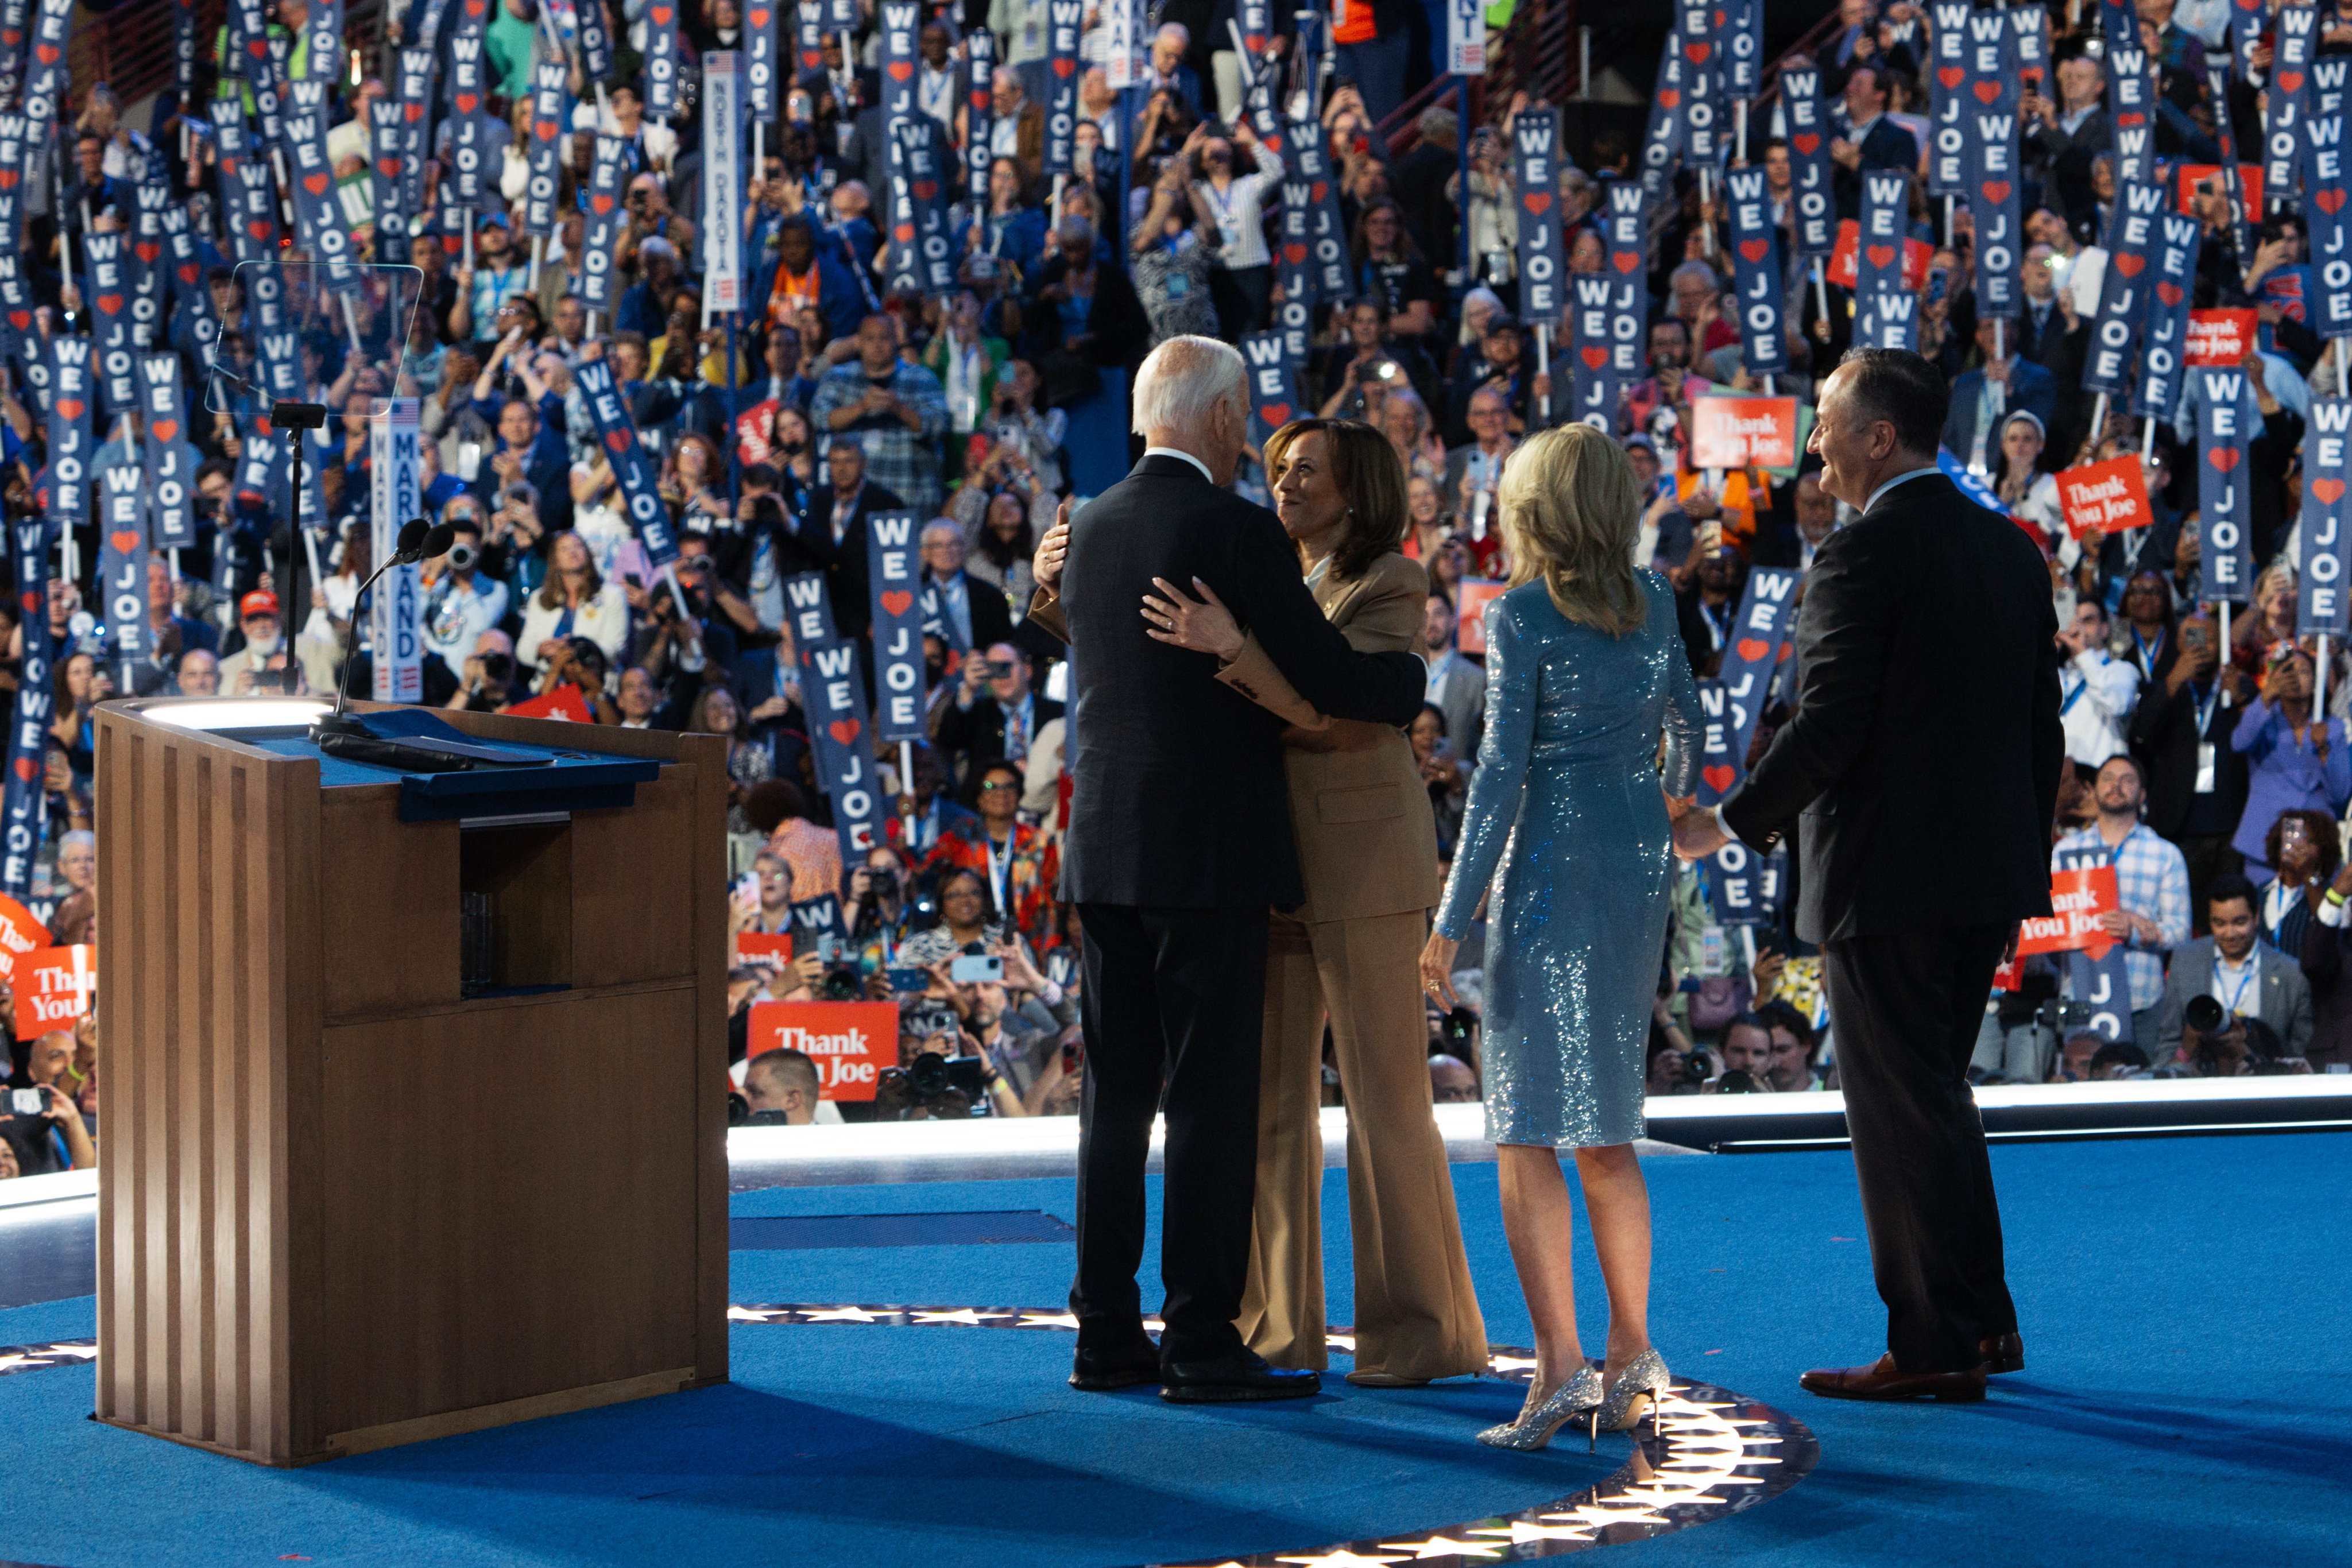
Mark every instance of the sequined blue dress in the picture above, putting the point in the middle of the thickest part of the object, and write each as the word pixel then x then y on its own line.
pixel 1565 819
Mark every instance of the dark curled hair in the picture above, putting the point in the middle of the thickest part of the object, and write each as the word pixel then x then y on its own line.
pixel 1903 389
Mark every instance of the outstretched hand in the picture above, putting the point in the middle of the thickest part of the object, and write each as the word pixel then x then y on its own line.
pixel 1698 835
pixel 1204 626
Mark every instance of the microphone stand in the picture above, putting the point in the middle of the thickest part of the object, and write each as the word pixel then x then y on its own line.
pixel 296 417
pixel 338 722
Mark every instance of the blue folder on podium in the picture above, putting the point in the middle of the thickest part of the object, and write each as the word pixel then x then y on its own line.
pixel 550 779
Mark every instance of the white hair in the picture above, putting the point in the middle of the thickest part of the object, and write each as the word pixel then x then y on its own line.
pixel 942 528
pixel 1183 381
pixel 1183 34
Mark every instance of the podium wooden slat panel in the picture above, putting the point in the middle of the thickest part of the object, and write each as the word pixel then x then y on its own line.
pixel 551 1169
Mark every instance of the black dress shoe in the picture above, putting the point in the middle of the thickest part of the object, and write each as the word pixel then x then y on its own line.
pixel 1242 1374
pixel 2003 1353
pixel 1122 1366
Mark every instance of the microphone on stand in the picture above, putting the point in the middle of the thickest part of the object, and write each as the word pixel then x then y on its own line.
pixel 416 542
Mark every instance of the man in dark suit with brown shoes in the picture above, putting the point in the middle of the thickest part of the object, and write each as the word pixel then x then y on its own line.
pixel 1894 732
pixel 1179 841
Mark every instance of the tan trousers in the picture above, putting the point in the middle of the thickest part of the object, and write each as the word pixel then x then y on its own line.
pixel 1416 1313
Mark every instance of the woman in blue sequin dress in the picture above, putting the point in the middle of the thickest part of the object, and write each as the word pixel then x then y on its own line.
pixel 1568 822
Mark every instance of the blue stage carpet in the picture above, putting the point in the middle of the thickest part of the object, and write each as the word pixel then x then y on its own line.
pixel 2186 1400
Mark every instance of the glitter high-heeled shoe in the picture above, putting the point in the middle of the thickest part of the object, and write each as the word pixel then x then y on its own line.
pixel 1646 1374
pixel 1580 1395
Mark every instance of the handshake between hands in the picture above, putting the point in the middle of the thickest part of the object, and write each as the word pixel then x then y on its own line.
pixel 1697 833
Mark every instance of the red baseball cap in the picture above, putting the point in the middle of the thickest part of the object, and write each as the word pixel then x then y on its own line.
pixel 260 601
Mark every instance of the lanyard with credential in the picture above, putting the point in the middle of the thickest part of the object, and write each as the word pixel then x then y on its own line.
pixel 999 871
pixel 2238 992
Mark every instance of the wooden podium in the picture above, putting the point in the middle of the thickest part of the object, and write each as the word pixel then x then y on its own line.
pixel 340 1206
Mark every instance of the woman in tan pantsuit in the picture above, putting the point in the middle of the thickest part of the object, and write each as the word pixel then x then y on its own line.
pixel 1368 852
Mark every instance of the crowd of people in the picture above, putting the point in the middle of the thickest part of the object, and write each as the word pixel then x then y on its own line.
pixel 2206 767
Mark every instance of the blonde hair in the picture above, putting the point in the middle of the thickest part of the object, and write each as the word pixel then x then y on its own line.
pixel 1570 511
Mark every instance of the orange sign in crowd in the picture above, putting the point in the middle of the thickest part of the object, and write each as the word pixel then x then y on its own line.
pixel 2109 496
pixel 1743 433
pixel 53 987
pixel 851 1042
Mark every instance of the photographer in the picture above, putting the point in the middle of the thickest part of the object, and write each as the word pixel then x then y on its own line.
pixel 2235 968
pixel 486 683
pixel 50 1137
pixel 460 602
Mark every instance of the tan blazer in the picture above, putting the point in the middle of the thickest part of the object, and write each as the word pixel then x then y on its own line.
pixel 1367 838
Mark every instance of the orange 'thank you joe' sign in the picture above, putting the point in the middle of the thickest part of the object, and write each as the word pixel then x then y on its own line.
pixel 851 1042
pixel 20 932
pixel 1472 595
pixel 1743 433
pixel 2077 899
pixel 2219 337
pixel 2109 496
pixel 54 987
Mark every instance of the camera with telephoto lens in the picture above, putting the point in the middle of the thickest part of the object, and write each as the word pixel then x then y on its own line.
pixel 939 1084
pixel 2063 1017
pixel 463 556
pixel 1695 1068
pixel 497 667
pixel 2204 1015
pixel 841 983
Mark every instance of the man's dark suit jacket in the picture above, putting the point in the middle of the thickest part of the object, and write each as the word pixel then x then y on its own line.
pixel 1925 751
pixel 1178 798
pixel 2163 738
pixel 846 579
pixel 1885 145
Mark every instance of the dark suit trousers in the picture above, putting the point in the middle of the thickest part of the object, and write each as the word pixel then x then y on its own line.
pixel 1171 1006
pixel 1907 1008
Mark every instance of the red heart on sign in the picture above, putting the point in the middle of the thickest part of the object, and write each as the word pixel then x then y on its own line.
pixel 164 429
pixel 27 768
pixel 759 18
pixel 1752 648
pixel 1986 91
pixel 1317 192
pixel 2290 81
pixel 188 274
pixel 1881 254
pixel 901 69
pixel 904 233
pixel 1625 260
pixel 110 304
pixel 618 440
pixel 544 131
pixel 1063 66
pixel 844 730
pixel 2329 491
pixel 1296 255
pixel 1755 249
pixel 1595 358
pixel 926 189
pixel 1718 778
pixel 897 602
pixel 1806 142
pixel 2129 265
pixel 467 102
pixel 2169 291
pixel 147 251
pixel 8 179
pixel 415 113
pixel 46 53
pixel 32 601
pixel 1276 414
pixel 316 183
pixel 259 229
pixel 2330 201
pixel 662 14
pixel 388 167
pixel 1670 96
pixel 2223 458
pixel 21 319
pixel 1537 201
pixel 1696 53
pixel 602 203
pixel 123 540
pixel 1995 191
pixel 1951 77
pixel 71 407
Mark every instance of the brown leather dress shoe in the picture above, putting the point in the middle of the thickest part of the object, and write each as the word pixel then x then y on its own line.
pixel 1882 1381
pixel 2003 1353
